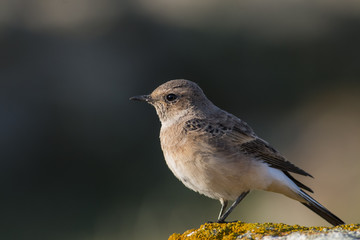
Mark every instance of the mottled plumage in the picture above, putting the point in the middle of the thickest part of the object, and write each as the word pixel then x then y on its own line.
pixel 217 154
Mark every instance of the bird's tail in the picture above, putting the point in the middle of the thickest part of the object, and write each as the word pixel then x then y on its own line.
pixel 316 207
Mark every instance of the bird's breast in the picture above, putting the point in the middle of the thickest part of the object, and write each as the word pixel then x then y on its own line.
pixel 209 170
pixel 183 158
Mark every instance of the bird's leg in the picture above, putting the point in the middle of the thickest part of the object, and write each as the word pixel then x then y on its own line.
pixel 224 203
pixel 231 208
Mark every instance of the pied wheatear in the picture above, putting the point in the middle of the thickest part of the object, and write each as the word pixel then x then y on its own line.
pixel 217 154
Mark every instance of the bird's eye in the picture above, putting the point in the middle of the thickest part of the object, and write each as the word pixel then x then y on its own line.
pixel 171 97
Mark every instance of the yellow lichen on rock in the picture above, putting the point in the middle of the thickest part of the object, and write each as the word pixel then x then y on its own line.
pixel 241 230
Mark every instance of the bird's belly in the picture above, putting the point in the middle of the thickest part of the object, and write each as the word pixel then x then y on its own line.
pixel 217 178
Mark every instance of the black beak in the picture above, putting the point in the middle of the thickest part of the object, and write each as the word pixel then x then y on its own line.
pixel 141 98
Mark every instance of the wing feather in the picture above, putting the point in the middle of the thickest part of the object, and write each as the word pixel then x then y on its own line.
pixel 231 133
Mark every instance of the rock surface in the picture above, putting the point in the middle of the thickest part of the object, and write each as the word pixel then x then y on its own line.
pixel 268 231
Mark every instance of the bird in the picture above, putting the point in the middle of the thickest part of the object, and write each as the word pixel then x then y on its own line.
pixel 217 154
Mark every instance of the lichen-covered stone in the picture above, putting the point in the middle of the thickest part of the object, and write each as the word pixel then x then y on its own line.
pixel 268 231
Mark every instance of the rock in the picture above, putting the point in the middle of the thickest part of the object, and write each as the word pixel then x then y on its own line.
pixel 268 231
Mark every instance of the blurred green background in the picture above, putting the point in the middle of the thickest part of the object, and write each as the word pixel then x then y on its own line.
pixel 80 161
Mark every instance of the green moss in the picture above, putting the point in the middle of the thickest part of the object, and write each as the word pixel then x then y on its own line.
pixel 239 230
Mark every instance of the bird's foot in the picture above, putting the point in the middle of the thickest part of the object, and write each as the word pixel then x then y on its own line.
pixel 221 221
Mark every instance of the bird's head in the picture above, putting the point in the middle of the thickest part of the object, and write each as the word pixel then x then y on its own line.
pixel 176 98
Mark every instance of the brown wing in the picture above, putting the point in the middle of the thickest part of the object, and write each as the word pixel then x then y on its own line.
pixel 263 151
pixel 231 133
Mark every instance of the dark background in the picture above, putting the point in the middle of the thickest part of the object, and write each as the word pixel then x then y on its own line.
pixel 80 161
